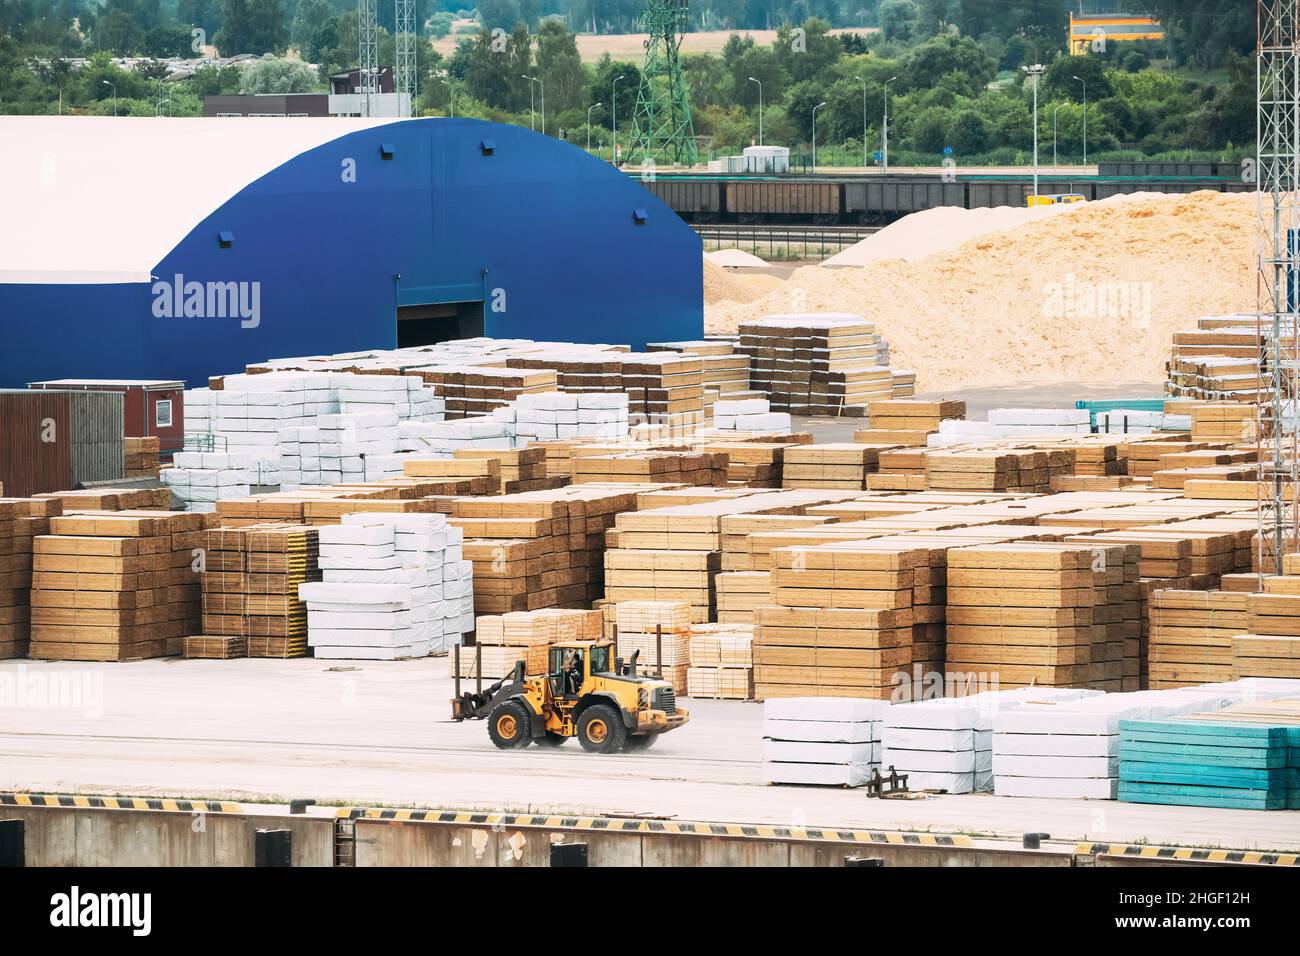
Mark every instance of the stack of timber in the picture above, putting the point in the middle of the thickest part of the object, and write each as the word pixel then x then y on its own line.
pixel 250 585
pixel 906 421
pixel 899 469
pixel 681 576
pixel 740 594
pixel 817 364
pixel 661 632
pixel 109 586
pixel 840 624
pixel 662 385
pixel 722 661
pixel 1234 422
pixel 1191 632
pixel 843 465
pixel 737 540
pixel 578 369
pixel 946 743
pixel 1145 457
pixel 111 499
pixel 1039 613
pixel 821 741
pixel 21 520
pixel 520 469
pixel 752 464
pixel 1246 756
pixel 591 464
pixel 1070 749
pixel 538 549
pixel 472 390
pixel 504 639
pixel 141 457
pixel 997 470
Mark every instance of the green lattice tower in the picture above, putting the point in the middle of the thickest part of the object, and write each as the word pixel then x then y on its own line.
pixel 662 125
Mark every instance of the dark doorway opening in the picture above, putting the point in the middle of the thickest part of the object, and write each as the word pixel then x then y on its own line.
pixel 427 324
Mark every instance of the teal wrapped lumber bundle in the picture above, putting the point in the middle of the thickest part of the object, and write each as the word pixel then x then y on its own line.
pixel 1246 757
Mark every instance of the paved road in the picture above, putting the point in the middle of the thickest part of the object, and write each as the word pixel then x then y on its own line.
pixel 377 733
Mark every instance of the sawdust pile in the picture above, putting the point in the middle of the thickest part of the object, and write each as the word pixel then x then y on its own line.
pixel 724 288
pixel 1091 296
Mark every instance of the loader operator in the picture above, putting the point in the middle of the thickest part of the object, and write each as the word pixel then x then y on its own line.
pixel 573 672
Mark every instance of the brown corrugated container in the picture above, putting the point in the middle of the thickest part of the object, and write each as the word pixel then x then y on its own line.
pixel 55 440
pixel 783 198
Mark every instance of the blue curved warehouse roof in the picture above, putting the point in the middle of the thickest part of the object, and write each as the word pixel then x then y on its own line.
pixel 328 226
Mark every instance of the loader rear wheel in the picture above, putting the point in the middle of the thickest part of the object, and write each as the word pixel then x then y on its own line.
pixel 508 726
pixel 641 741
pixel 601 730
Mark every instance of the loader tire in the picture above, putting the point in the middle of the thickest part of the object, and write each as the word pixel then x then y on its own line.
pixel 601 730
pixel 508 726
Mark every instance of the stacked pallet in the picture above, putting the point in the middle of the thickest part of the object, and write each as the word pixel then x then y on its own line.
pixel 109 586
pixel 1070 749
pixel 752 464
pixel 472 390
pixel 1233 422
pixel 140 457
pixel 539 549
pixel 661 632
pixel 722 661
pixel 993 470
pixel 1039 613
pixel 906 421
pixel 899 469
pixel 817 364
pixel 1145 457
pixel 588 465
pixel 843 465
pixel 111 499
pixel 821 741
pixel 519 469
pixel 524 636
pixel 250 591
pixel 1191 634
pixel 21 520
pixel 663 385
pixel 1245 756
pixel 737 545
pixel 677 576
pixel 840 624
pixel 740 594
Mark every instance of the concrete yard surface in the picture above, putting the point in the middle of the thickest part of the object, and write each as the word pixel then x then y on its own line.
pixel 379 734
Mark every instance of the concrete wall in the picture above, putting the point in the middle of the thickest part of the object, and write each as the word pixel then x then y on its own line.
pixel 64 836
pixel 406 843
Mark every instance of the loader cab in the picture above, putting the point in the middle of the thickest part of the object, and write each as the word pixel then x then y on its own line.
pixel 572 664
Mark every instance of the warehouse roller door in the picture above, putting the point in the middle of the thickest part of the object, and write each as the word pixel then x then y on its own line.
pixel 438 322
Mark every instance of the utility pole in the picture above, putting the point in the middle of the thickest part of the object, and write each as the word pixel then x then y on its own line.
pixel 532 113
pixel 884 129
pixel 814 134
pixel 589 109
pixel 1034 72
pixel 1085 117
pixel 863 81
pixel 614 156
pixel 760 109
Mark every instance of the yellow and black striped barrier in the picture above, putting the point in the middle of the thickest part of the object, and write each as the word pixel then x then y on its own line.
pixel 117 803
pixel 1183 854
pixel 671 827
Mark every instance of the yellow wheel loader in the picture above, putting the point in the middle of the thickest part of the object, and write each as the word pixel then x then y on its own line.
pixel 586 693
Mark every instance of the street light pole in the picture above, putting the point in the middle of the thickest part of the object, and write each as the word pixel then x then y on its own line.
pixel 589 109
pixel 863 81
pixel 542 86
pixel 1035 72
pixel 532 111
pixel 814 134
pixel 1085 117
pixel 884 129
pixel 760 109
pixel 114 86
pixel 1055 168
pixel 614 85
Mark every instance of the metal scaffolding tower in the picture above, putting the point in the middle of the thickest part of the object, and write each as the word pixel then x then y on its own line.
pixel 405 66
pixel 662 125
pixel 368 31
pixel 1277 166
